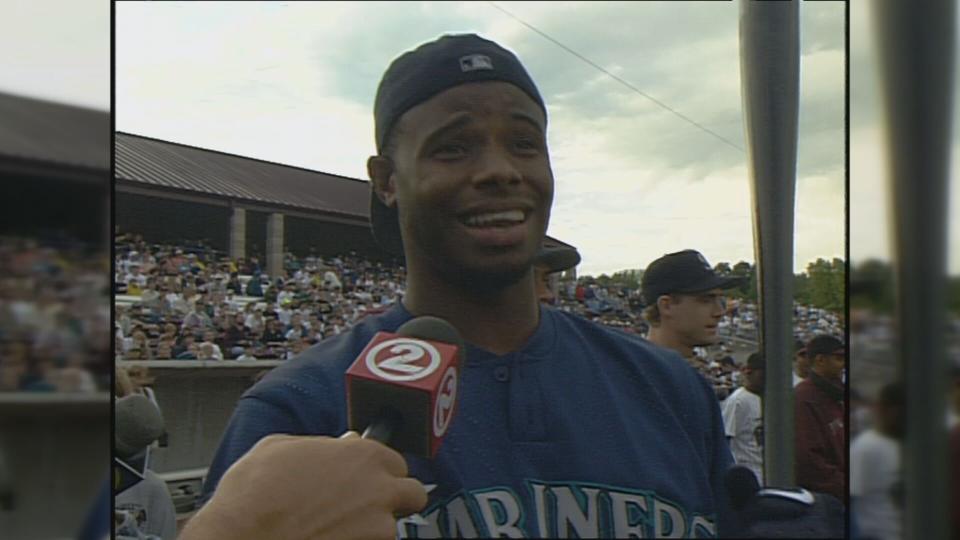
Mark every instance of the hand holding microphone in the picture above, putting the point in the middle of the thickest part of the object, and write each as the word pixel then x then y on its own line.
pixel 298 488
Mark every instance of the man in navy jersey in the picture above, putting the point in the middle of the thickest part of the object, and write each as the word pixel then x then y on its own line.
pixel 563 428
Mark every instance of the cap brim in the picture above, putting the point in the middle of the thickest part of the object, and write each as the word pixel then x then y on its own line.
pixel 558 259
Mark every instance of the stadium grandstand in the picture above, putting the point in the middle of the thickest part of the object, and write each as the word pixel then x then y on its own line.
pixel 55 364
pixel 226 266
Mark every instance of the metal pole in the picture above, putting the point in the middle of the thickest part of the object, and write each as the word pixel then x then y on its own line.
pixel 917 45
pixel 770 83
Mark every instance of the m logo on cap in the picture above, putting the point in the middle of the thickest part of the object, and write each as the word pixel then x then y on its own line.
pixel 474 62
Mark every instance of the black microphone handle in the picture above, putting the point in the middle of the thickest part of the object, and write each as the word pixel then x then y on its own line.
pixel 380 430
pixel 385 425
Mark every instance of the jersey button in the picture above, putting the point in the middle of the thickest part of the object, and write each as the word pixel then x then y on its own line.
pixel 501 373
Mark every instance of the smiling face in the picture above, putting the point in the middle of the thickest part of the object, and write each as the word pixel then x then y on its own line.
pixel 470 175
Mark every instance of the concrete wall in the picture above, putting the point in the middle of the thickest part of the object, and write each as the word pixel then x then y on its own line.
pixel 57 449
pixel 197 399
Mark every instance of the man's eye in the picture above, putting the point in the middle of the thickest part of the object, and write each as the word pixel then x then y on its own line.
pixel 448 151
pixel 527 145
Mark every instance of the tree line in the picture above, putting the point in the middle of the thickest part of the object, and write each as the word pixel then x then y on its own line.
pixel 872 286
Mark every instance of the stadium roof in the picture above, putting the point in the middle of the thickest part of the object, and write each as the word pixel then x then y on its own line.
pixel 172 166
pixel 54 133
pixel 163 164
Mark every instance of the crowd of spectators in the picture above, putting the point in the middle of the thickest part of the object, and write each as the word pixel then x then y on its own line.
pixel 191 302
pixel 621 307
pixel 194 303
pixel 54 315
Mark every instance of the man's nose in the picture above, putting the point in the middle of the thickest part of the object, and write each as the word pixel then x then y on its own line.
pixel 496 168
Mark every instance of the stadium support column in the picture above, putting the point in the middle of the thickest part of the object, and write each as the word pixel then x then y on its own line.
pixel 238 233
pixel 275 245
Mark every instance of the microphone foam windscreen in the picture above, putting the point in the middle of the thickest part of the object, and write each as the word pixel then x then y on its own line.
pixel 137 423
pixel 432 329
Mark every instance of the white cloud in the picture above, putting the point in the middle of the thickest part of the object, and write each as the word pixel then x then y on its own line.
pixel 57 50
pixel 294 83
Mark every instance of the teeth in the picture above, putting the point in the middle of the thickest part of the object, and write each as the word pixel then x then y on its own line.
pixel 509 216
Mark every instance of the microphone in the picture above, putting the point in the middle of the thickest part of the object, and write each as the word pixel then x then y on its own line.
pixel 137 423
pixel 402 388
pixel 782 512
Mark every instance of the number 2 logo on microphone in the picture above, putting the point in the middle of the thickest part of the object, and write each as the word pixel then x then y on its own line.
pixel 403 359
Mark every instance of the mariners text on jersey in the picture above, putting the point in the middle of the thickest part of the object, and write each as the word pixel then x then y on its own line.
pixel 585 431
pixel 561 510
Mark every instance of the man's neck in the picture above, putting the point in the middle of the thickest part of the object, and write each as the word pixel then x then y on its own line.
pixel 499 321
pixel 665 338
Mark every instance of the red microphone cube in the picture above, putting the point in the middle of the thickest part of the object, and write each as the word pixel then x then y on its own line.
pixel 410 378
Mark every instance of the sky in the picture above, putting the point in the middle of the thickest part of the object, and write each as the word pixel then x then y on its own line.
pixel 870 225
pixel 57 50
pixel 293 82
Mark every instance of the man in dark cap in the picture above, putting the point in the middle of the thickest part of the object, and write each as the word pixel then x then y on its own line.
pixel 743 417
pixel 685 301
pixel 559 421
pixel 550 261
pixel 821 446
pixel 801 364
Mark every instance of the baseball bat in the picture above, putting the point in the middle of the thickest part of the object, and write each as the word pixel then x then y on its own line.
pixel 917 43
pixel 770 89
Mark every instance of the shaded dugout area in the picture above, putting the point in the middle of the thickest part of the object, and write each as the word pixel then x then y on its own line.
pixel 47 207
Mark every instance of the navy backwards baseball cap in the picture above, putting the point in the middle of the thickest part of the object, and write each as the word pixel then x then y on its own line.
pixel 682 272
pixel 422 73
pixel 557 259
pixel 756 361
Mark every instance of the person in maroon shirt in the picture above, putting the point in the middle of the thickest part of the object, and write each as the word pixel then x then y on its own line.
pixel 954 455
pixel 819 407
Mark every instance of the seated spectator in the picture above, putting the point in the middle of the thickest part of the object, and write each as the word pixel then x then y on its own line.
pixel 196 320
pixel 273 332
pixel 38 375
pixel 209 338
pixel 135 280
pixel 235 331
pixel 206 352
pixel 254 287
pixel 169 332
pixel 164 350
pixel 253 321
pixel 187 341
pixel 190 354
pixel 246 354
pixel 233 284
pixel 140 342
pixel 150 296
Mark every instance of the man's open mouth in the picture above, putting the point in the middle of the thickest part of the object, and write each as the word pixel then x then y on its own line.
pixel 505 218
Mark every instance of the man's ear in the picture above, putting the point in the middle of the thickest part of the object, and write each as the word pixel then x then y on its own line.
pixel 664 303
pixel 380 169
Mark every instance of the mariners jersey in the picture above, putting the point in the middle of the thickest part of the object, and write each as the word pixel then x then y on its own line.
pixel 583 432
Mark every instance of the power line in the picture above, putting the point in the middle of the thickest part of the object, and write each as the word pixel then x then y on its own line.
pixel 621 81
